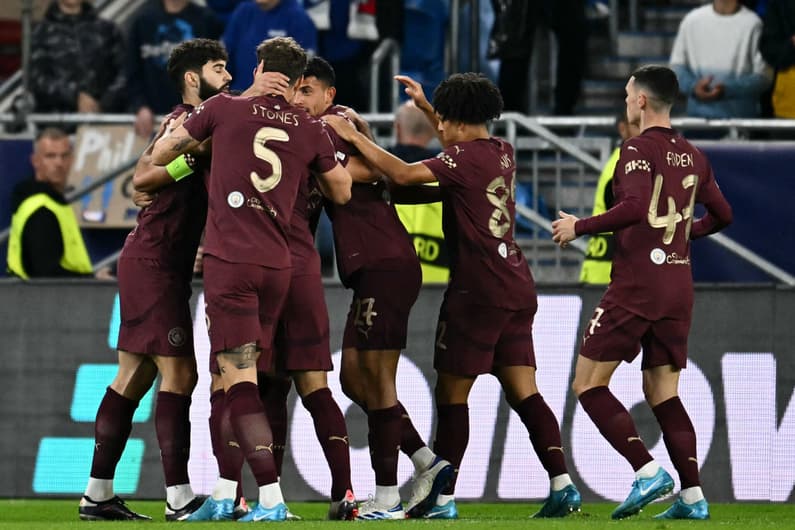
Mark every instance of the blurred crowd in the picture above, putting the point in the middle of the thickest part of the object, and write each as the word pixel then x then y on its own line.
pixel 734 58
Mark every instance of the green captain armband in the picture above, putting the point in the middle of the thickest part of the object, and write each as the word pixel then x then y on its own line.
pixel 179 168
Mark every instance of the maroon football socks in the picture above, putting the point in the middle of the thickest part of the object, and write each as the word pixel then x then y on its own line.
pixel 680 440
pixel 273 392
pixel 385 433
pixel 252 432
pixel 226 450
pixel 410 439
pixel 542 426
pixel 452 437
pixel 615 424
pixel 111 431
pixel 172 424
pixel 332 434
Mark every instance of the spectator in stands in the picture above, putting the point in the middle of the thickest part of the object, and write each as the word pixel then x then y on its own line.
pixel 777 46
pixel 512 39
pixel 155 30
pixel 717 60
pixel 45 239
pixel 257 20
pixel 422 59
pixel 423 222
pixel 77 60
pixel 598 262
pixel 348 33
pixel 223 8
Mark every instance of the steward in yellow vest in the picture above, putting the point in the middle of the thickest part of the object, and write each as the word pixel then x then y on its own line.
pixel 598 260
pixel 45 238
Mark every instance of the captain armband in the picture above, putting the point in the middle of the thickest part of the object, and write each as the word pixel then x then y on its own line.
pixel 180 167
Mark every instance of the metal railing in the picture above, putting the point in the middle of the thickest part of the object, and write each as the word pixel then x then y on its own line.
pixel 572 150
pixel 388 49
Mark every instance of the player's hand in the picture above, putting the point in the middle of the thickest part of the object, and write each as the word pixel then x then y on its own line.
pixel 360 123
pixel 174 123
pixel 414 91
pixel 342 126
pixel 703 89
pixel 718 91
pixel 143 199
pixel 268 83
pixel 563 229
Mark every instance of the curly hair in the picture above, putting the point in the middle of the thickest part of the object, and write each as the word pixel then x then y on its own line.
pixel 190 56
pixel 467 98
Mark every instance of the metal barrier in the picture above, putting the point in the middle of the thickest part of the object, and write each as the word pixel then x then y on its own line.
pixel 559 162
pixel 389 48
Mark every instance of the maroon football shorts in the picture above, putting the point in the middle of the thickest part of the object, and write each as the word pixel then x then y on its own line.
pixel 378 318
pixel 302 335
pixel 615 334
pixel 155 310
pixel 473 339
pixel 243 303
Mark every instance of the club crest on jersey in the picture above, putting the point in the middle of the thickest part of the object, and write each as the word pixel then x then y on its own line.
pixel 657 256
pixel 176 337
pixel 235 199
pixel 502 249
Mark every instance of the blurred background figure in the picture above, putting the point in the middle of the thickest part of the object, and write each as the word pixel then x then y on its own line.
pixel 45 240
pixel 155 30
pixel 717 61
pixel 598 260
pixel 423 222
pixel 777 46
pixel 257 20
pixel 77 60
pixel 512 39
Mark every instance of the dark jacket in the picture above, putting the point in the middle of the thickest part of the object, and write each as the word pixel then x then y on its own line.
pixel 42 243
pixel 153 35
pixel 76 53
pixel 775 44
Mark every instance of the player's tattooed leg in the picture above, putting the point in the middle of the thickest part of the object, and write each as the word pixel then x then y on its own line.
pixel 241 357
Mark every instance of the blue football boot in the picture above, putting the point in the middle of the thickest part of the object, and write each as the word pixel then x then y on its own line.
pixel 644 491
pixel 260 513
pixel 681 510
pixel 213 510
pixel 561 503
pixel 446 511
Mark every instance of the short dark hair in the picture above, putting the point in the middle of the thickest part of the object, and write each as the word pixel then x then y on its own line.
pixel 283 55
pixel 660 81
pixel 320 69
pixel 467 98
pixel 190 56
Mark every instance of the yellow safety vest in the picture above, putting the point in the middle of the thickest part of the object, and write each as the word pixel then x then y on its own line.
pixel 423 222
pixel 75 256
pixel 598 260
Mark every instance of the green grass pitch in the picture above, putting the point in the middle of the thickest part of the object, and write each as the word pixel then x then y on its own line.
pixel 56 514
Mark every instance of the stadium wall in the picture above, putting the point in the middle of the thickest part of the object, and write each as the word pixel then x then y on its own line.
pixel 738 388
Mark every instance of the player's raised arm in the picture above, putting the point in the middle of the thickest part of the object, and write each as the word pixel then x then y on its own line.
pixel 149 177
pixel 393 167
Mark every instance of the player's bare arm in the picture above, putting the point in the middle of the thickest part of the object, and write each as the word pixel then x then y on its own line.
pixel 563 229
pixel 336 184
pixel 394 168
pixel 170 146
pixel 361 171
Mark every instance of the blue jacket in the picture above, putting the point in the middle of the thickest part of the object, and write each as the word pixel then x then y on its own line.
pixel 249 25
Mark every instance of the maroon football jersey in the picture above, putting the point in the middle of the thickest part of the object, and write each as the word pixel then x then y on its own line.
pixel 170 228
pixel 367 230
pixel 478 217
pixel 659 178
pixel 263 148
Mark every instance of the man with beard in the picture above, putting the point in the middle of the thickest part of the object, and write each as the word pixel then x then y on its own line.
pixel 262 150
pixel 155 271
